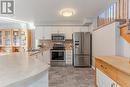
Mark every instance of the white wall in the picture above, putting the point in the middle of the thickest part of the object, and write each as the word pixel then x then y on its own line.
pixel 124 48
pixel 105 41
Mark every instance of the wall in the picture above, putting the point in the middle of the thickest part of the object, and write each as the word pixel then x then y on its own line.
pixel 106 41
pixel 124 42
pixel 94 24
pixel 124 48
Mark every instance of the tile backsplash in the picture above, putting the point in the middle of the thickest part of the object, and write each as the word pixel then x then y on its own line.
pixel 48 44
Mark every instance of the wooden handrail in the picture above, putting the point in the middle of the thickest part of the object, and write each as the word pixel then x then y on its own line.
pixel 117 10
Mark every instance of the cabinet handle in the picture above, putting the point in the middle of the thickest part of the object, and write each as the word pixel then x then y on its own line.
pixel 113 85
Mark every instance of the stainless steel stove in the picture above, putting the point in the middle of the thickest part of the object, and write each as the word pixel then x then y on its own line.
pixel 58 55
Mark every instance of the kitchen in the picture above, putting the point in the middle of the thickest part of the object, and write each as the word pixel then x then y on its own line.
pixel 66 43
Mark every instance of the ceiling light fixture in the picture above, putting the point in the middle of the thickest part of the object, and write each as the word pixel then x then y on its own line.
pixel 67 12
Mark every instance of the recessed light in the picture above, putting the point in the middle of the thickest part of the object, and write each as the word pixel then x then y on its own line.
pixel 67 12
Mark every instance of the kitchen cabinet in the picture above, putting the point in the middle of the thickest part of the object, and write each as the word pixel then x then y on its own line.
pixel 69 33
pixel 46 56
pixel 11 40
pixel 16 37
pixel 76 29
pixel 46 34
pixel 84 29
pixel 7 38
pixel 46 31
pixel 39 33
pixel 1 38
pixel 15 40
pixel 103 80
pixel 25 40
pixel 109 70
pixel 69 57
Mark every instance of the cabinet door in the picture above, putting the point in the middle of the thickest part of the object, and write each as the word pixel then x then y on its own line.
pixel 62 30
pixel 69 57
pixel 69 32
pixel 1 38
pixel 84 29
pixel 39 34
pixel 76 29
pixel 47 33
pixel 7 36
pixel 103 80
pixel 16 37
pixel 46 56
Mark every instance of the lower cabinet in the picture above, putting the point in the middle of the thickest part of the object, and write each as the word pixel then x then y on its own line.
pixel 47 56
pixel 103 80
pixel 69 57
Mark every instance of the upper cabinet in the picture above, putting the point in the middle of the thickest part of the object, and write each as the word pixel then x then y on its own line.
pixel 45 32
pixel 7 38
pixel 69 33
pixel 1 38
pixel 25 38
pixel 12 40
pixel 16 37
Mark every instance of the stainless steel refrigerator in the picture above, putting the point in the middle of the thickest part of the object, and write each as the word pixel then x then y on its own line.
pixel 81 49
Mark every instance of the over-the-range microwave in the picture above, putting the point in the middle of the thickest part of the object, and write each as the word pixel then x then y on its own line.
pixel 58 37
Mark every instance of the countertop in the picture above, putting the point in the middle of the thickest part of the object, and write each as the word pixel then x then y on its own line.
pixel 16 67
pixel 120 63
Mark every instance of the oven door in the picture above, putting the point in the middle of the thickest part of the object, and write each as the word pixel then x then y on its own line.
pixel 57 55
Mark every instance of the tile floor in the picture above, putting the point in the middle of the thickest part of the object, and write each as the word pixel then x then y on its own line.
pixel 71 77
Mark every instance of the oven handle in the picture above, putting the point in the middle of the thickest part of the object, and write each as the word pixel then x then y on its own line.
pixel 57 50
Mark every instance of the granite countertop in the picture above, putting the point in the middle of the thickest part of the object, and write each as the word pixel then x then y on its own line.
pixel 16 67
pixel 120 63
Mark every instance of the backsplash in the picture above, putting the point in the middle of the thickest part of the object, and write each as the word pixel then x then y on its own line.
pixel 48 44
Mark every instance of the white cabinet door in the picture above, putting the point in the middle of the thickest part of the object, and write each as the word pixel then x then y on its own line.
pixel 103 80
pixel 75 29
pixel 43 32
pixel 46 57
pixel 69 32
pixel 62 30
pixel 84 29
pixel 69 57
pixel 38 33
pixel 53 30
pixel 46 33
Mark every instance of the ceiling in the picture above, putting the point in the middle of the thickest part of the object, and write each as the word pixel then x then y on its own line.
pixel 46 12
